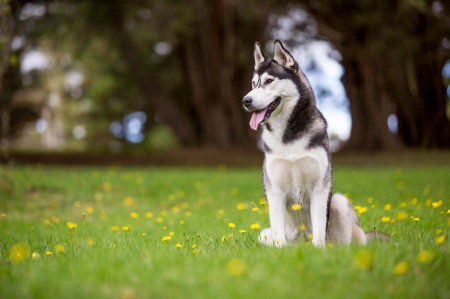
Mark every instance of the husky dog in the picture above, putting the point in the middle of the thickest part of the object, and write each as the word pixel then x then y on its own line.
pixel 297 167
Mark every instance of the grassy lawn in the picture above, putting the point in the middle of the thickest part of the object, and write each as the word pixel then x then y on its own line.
pixel 68 232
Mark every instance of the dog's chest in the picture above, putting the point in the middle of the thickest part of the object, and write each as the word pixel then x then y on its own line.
pixel 292 168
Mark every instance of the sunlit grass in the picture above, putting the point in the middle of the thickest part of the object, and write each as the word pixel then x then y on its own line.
pixel 176 232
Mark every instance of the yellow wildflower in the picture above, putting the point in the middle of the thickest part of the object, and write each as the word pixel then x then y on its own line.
pixel 195 251
pixel 416 219
pixel 296 207
pixel 230 236
pixel 114 228
pixel 18 253
pixel 255 209
pixel 194 246
pixel 236 267
pixel 148 215
pixel 126 228
pixel 59 248
pixel 178 245
pixel 188 214
pixel 166 238
pixel 385 219
pixel 175 209
pixel 48 252
pixel 71 225
pixel 90 210
pixel 401 216
pixel 242 231
pixel 181 221
pixel 221 212
pixel 222 239
pixel 128 201
pixel 302 227
pixel 90 242
pixel 387 207
pixel 400 268
pixel 134 215
pixel 163 213
pixel 439 231
pixel 143 234
pixel 424 256
pixel 440 239
pixel 232 225
pixel 159 219
pixel 255 226
pixel 262 201
pixel 107 186
pixel 171 234
pixel 241 206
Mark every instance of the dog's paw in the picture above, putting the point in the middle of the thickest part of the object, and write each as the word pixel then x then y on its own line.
pixel 266 238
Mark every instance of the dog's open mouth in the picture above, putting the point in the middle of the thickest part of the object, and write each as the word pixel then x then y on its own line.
pixel 264 114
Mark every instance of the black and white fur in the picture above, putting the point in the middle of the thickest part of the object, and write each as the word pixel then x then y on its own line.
pixel 297 166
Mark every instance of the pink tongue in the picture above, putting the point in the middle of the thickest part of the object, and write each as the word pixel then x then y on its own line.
pixel 257 117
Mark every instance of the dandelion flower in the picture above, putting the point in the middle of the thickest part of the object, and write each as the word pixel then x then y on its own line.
pixel 181 221
pixel 424 256
pixel 416 219
pixel 401 216
pixel 178 245
pixel 393 234
pixel 115 228
pixel 232 225
pixel 255 209
pixel 143 234
pixel 107 186
pixel 134 215
pixel 330 245
pixel 230 236
pixel 241 206
pixel 4 215
pixel 83 214
pixel 236 267
pixel 385 219
pixel 175 209
pixel 90 242
pixel 188 214
pixel 163 213
pixel 166 238
pixel 77 204
pixel 194 246
pixel 440 239
pixel 296 207
pixel 400 268
pixel 35 256
pixel 47 222
pixel 387 207
pixel 439 231
pixel 164 227
pixel 184 205
pixel 310 236
pixel 159 219
pixel 255 226
pixel 195 251
pixel 302 227
pixel 18 253
pixel 448 212
pixel 59 248
pixel 126 228
pixel 171 234
pixel 222 239
pixel 128 201
pixel 242 231
pixel 90 210
pixel 221 212
pixel 148 215
pixel 71 225
pixel 48 252
pixel 262 201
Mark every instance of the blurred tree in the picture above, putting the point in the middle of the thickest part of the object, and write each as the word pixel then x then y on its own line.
pixel 393 57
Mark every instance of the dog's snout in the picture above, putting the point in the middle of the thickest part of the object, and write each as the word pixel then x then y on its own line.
pixel 247 101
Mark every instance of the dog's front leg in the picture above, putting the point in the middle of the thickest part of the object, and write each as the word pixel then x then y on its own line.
pixel 319 202
pixel 277 215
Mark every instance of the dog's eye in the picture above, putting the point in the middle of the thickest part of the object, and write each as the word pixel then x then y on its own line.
pixel 268 81
pixel 253 84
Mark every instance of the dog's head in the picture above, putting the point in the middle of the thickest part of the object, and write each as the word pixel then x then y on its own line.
pixel 275 82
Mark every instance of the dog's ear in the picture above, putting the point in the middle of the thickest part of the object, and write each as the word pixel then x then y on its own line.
pixel 259 54
pixel 283 57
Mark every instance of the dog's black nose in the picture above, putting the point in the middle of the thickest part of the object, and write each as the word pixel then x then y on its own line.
pixel 247 101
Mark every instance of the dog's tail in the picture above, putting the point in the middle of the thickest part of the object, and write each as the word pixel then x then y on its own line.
pixel 344 226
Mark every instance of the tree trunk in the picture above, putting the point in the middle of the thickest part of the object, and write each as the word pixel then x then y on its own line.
pixel 210 70
pixel 368 105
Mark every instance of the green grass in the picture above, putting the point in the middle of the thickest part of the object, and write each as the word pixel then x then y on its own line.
pixel 97 262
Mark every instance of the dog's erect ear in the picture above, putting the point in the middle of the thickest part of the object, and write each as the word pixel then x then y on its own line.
pixel 259 54
pixel 283 57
